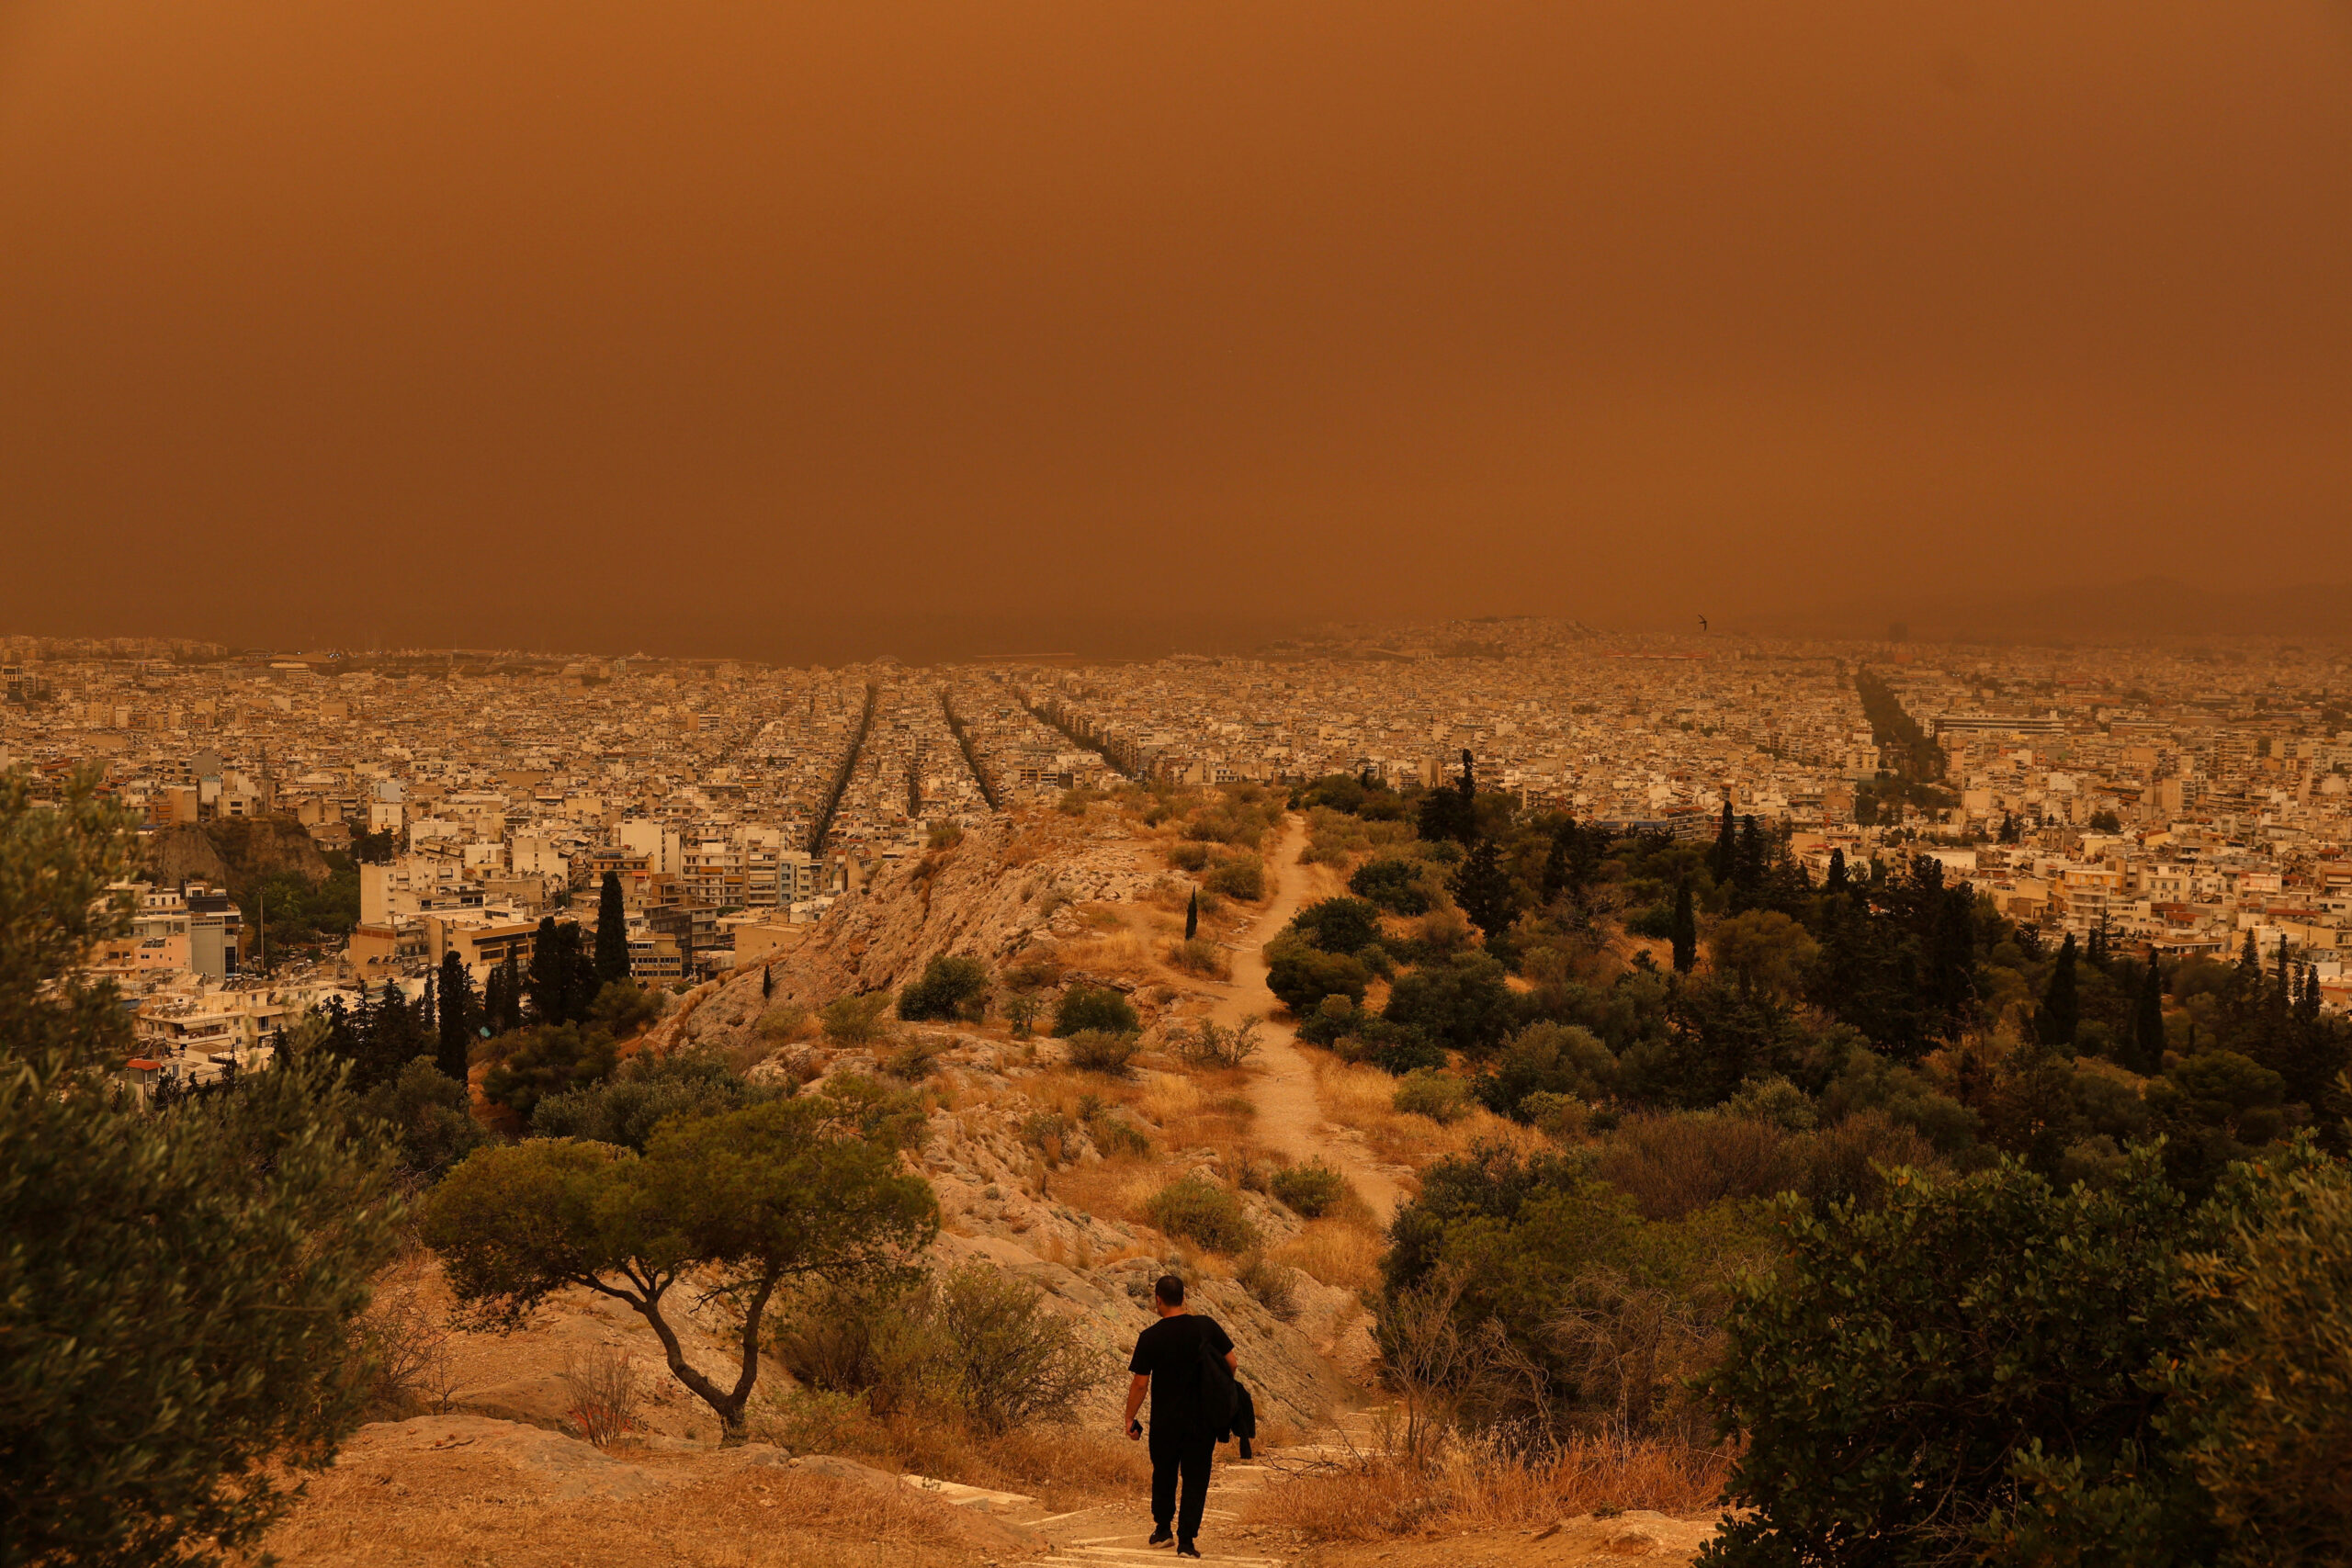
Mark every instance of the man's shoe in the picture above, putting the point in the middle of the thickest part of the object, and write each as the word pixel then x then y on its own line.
pixel 1162 1537
pixel 1186 1549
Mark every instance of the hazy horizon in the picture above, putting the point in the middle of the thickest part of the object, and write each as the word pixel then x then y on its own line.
pixel 785 331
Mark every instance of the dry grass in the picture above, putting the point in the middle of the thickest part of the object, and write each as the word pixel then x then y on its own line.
pixel 1341 1252
pixel 1119 954
pixel 1365 1097
pixel 453 1511
pixel 1474 1486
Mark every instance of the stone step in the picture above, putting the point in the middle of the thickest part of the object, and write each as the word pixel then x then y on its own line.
pixel 978 1498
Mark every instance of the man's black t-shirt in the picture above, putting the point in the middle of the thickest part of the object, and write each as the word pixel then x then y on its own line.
pixel 1169 1353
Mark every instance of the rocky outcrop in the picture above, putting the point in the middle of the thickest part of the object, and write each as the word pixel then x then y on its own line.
pixel 234 853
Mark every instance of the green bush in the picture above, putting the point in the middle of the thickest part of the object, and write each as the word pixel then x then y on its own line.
pixel 547 1059
pixel 432 1115
pixel 1200 1210
pixel 1313 1189
pixel 648 1089
pixel 1300 977
pixel 1338 925
pixel 950 987
pixel 1100 1051
pixel 2269 1388
pixel 1548 1058
pixel 1189 856
pixel 1433 1093
pixel 1987 1331
pixel 1095 1008
pixel 1464 1004
pixel 1399 886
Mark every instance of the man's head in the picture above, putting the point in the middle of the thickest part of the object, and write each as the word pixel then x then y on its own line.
pixel 1168 1296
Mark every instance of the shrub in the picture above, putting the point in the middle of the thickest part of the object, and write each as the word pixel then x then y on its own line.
pixel 1676 1163
pixel 1095 1008
pixel 1189 856
pixel 912 1060
pixel 604 1388
pixel 1464 1004
pixel 785 1024
pixel 547 1060
pixel 1200 1210
pixel 854 1020
pixel 1202 957
pixel 1396 886
pixel 1433 1093
pixel 1269 1284
pixel 1334 1016
pixel 1338 925
pixel 1012 1360
pixel 1210 1044
pixel 944 835
pixel 432 1115
pixel 1300 977
pixel 950 987
pixel 2270 1385
pixel 1548 1058
pixel 646 1090
pixel 1988 1331
pixel 1242 878
pixel 1394 1049
pixel 1311 1190
pixel 1100 1051
pixel 1114 1134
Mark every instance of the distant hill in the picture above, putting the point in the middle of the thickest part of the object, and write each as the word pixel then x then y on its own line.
pixel 2143 608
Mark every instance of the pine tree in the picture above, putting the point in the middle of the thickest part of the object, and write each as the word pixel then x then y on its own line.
pixel 1192 916
pixel 2148 1022
pixel 457 1015
pixel 612 931
pixel 1685 931
pixel 2062 1008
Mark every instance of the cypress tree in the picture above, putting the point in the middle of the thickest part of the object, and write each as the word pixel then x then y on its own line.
pixel 1725 855
pixel 1686 930
pixel 1192 916
pixel 1483 888
pixel 2062 1008
pixel 767 981
pixel 612 931
pixel 1467 809
pixel 2148 1022
pixel 457 1015
pixel 510 1002
pixel 551 982
pixel 1836 881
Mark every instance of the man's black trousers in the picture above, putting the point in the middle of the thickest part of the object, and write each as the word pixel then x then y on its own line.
pixel 1175 1454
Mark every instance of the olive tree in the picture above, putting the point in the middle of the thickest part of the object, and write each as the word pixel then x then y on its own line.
pixel 178 1286
pixel 744 1202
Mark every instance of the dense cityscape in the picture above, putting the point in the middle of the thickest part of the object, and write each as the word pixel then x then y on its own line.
pixel 2178 799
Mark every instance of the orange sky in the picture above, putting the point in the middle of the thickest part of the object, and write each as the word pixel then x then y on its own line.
pixel 814 330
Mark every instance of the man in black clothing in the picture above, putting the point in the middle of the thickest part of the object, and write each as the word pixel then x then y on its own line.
pixel 1168 1365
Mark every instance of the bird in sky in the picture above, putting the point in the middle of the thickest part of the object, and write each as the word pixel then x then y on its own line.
pixel 1702 622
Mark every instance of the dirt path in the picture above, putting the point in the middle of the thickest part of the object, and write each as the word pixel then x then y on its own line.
pixel 1290 1115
